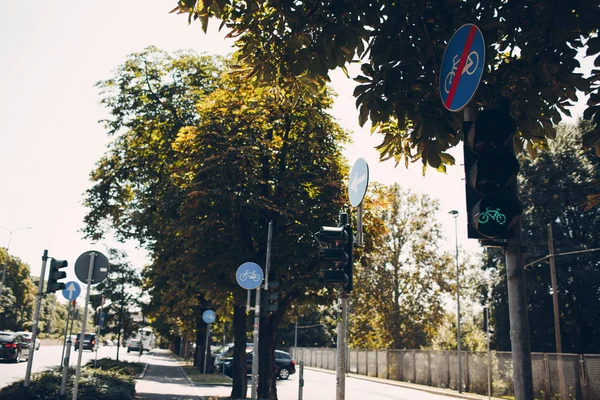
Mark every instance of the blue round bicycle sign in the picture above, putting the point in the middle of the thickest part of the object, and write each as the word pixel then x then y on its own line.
pixel 462 67
pixel 208 316
pixel 249 275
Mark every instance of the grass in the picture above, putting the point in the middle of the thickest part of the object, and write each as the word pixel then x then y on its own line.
pixel 195 374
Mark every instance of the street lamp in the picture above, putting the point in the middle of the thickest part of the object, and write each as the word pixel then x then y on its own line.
pixel 455 215
pixel 7 249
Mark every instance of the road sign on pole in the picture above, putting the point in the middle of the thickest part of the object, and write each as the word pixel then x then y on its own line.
pixel 208 316
pixel 462 67
pixel 72 290
pixel 358 182
pixel 100 271
pixel 249 275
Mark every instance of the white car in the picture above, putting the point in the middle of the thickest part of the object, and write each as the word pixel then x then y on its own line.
pixel 28 336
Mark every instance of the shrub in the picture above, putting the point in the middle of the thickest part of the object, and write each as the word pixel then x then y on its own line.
pixel 112 380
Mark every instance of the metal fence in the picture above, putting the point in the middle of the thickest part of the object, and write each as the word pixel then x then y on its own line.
pixel 578 379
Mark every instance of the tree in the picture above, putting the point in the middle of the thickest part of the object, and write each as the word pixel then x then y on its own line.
pixel 530 58
pixel 121 290
pixel 400 301
pixel 557 196
pixel 200 191
pixel 18 295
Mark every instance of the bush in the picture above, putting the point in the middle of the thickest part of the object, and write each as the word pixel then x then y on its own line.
pixel 112 380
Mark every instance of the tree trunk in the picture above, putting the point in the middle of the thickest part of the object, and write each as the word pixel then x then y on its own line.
pixel 240 380
pixel 267 368
pixel 199 352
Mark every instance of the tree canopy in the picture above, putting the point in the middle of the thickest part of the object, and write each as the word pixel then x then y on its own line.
pixel 556 197
pixel 531 50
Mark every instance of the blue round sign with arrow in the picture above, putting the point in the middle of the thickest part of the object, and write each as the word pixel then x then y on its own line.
pixel 249 275
pixel 462 67
pixel 208 316
pixel 71 291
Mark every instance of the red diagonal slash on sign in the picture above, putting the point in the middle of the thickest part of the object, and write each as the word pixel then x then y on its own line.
pixel 461 65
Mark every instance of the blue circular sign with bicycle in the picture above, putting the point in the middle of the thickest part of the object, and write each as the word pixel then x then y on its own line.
pixel 462 67
pixel 208 316
pixel 249 275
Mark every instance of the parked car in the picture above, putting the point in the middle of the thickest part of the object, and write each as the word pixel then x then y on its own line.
pixel 227 352
pixel 89 342
pixel 133 345
pixel 13 346
pixel 285 365
pixel 28 336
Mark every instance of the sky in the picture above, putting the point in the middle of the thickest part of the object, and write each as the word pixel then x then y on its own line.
pixel 52 54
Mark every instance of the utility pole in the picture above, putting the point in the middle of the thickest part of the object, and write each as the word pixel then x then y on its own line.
pixel 561 374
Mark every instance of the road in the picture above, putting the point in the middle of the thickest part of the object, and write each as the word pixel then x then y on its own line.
pixel 322 385
pixel 49 356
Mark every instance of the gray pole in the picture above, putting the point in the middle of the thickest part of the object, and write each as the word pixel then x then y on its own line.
pixel 340 368
pixel 64 363
pixel 489 357
pixel 98 335
pixel 66 333
pixel 36 316
pixel 206 349
pixel 6 259
pixel 519 321
pixel 301 380
pixel 257 315
pixel 459 356
pixel 296 339
pixel 83 324
pixel 561 374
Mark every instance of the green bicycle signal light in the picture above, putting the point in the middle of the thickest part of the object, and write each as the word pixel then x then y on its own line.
pixel 491 169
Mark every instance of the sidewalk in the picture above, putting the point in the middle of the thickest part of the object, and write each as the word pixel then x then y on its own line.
pixel 164 379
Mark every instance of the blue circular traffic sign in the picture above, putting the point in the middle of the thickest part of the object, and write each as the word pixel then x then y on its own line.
pixel 208 316
pixel 462 67
pixel 71 291
pixel 249 275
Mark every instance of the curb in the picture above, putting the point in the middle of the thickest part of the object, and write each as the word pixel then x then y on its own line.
pixel 414 386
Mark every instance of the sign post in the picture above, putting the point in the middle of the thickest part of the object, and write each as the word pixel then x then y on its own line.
pixel 208 316
pixel 97 270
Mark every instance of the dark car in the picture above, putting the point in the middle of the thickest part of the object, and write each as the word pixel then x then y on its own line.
pixel 285 365
pixel 89 341
pixel 13 346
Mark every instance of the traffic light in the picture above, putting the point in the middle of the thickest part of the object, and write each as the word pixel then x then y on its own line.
pixel 273 296
pixel 491 169
pixel 56 274
pixel 336 246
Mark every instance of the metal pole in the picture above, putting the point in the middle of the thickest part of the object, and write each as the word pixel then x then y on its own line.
pixel 255 350
pixel 66 333
pixel 340 368
pixel 301 380
pixel 458 347
pixel 206 349
pixel 359 226
pixel 7 255
pixel 36 316
pixel 65 364
pixel 84 323
pixel 296 339
pixel 489 356
pixel 561 374
pixel 519 321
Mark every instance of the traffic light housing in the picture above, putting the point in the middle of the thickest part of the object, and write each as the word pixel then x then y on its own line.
pixel 336 245
pixel 272 297
pixel 491 169
pixel 56 274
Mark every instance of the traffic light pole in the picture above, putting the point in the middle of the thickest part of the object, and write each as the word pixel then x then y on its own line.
pixel 340 369
pixel 36 316
pixel 519 322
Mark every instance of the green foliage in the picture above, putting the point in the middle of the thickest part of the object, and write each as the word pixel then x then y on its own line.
pixel 530 58
pixel 399 301
pixel 112 380
pixel 553 190
pixel 18 295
